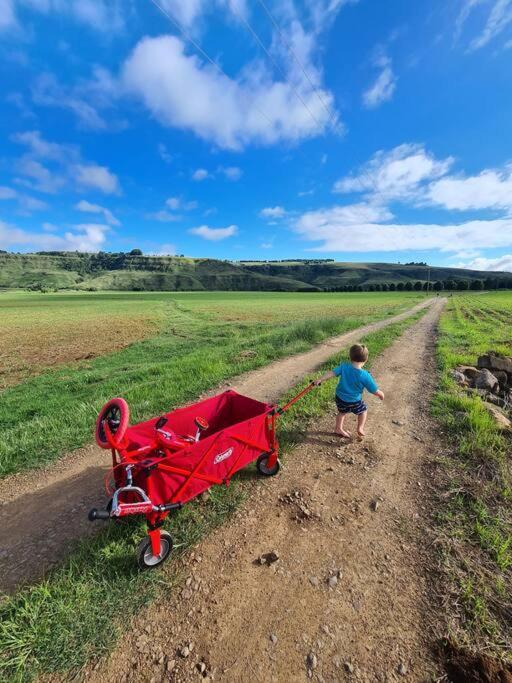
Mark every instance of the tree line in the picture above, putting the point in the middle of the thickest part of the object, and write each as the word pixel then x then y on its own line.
pixel 420 285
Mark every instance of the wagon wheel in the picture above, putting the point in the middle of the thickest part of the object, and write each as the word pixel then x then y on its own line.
pixel 262 466
pixel 116 414
pixel 145 557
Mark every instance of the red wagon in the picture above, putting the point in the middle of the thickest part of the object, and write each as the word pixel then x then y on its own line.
pixel 161 464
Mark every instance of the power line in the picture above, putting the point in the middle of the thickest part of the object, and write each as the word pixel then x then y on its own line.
pixel 188 37
pixel 289 47
pixel 274 62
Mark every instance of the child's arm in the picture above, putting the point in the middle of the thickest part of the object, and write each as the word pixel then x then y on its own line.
pixel 379 394
pixel 323 378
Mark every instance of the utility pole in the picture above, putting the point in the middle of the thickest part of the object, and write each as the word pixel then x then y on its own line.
pixel 428 281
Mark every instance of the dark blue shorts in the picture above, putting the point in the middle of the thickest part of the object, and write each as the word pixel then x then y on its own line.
pixel 355 408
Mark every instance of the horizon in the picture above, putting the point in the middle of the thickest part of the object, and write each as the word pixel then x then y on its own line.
pixel 238 131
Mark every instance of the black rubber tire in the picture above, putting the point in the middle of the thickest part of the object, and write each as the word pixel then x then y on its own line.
pixel 145 558
pixel 261 466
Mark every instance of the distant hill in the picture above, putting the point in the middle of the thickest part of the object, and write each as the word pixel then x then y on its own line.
pixel 109 271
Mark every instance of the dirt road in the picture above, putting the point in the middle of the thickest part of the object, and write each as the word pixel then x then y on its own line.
pixel 60 496
pixel 348 597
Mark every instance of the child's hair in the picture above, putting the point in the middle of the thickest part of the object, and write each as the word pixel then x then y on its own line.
pixel 358 353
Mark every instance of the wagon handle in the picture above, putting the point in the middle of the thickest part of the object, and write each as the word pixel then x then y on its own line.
pixel 282 409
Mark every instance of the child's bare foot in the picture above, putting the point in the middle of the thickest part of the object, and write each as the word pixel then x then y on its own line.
pixel 342 432
pixel 360 434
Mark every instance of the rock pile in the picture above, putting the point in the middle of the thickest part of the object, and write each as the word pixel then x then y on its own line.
pixel 492 380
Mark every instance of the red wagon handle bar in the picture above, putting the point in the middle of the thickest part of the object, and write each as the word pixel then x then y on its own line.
pixel 284 408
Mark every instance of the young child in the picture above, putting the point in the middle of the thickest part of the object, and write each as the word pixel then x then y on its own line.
pixel 349 392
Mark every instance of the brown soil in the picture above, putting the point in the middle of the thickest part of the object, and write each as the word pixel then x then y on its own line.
pixel 60 496
pixel 350 596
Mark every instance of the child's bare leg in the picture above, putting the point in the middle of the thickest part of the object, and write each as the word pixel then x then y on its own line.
pixel 361 419
pixel 340 418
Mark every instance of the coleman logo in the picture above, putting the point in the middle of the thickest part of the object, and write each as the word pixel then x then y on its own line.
pixel 222 456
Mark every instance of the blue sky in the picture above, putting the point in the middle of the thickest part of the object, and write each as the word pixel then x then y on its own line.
pixel 359 130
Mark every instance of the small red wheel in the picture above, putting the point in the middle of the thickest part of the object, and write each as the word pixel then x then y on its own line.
pixel 116 414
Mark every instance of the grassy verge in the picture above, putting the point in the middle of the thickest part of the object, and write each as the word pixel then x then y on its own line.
pixel 52 413
pixel 475 514
pixel 80 610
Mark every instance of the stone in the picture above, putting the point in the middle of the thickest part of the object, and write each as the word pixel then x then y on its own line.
pixel 374 505
pixel 501 376
pixel 501 419
pixel 268 558
pixel 402 669
pixel 486 380
pixel 459 377
pixel 312 661
pixel 201 667
pixel 332 581
pixel 273 638
pixel 184 652
pixel 493 362
pixel 171 664
pixel 313 580
pixel 349 667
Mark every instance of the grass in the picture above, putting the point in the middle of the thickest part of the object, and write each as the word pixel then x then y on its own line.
pixel 475 518
pixel 77 614
pixel 201 343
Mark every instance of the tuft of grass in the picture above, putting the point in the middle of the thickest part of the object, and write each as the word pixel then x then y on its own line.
pixel 82 607
pixel 475 516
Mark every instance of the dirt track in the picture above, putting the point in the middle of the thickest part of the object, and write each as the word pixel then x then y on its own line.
pixel 355 511
pixel 60 496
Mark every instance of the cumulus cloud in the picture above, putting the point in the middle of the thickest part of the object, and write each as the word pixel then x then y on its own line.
pixel 230 172
pixel 178 89
pixel 273 212
pixel 163 216
pixel 200 174
pixel 86 237
pixel 383 87
pixel 500 263
pixel 214 234
pixel 491 189
pixel 411 175
pixel 395 174
pixel 87 207
pixel 67 167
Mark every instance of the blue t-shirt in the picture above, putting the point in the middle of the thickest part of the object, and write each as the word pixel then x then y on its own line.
pixel 352 382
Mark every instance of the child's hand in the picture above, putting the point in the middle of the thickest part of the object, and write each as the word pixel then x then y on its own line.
pixel 317 382
pixel 380 394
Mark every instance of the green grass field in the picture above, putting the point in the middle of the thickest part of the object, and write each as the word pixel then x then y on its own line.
pixel 475 512
pixel 192 341
pixel 77 614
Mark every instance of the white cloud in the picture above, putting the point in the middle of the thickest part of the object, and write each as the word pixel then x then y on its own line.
pixel 102 15
pixel 166 250
pixel 491 189
pixel 352 228
pixel 48 92
pixel 214 234
pixel 164 154
pixel 500 263
pixel 68 167
pixel 231 172
pixel 395 174
pixel 384 86
pixel 179 89
pixel 7 193
pixel 97 178
pixel 163 216
pixel 87 207
pixel 200 174
pixel 273 212
pixel 499 17
pixel 86 237
pixel 173 203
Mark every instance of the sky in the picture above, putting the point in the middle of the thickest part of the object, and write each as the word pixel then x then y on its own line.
pixel 358 130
